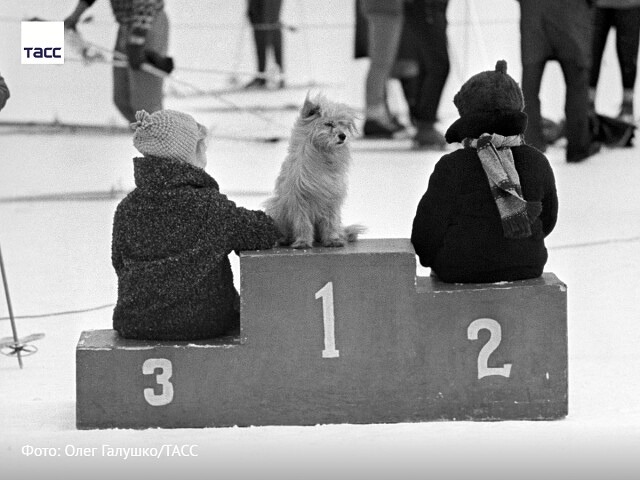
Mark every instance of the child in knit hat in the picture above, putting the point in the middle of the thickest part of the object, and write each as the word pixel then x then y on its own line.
pixel 172 236
pixel 489 205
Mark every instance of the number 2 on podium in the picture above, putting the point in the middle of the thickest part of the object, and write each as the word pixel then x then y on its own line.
pixel 326 293
pixel 495 331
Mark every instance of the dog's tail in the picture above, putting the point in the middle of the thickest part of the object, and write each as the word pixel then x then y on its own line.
pixel 351 232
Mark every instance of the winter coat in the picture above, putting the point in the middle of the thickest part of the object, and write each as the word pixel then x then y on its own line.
pixel 457 229
pixel 171 238
pixel 264 11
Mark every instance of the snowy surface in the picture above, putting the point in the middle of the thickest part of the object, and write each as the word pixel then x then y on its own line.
pixel 57 260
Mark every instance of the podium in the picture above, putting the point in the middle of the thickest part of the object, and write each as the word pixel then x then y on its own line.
pixel 342 335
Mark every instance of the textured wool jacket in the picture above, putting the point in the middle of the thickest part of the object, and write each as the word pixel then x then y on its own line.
pixel 457 229
pixel 171 238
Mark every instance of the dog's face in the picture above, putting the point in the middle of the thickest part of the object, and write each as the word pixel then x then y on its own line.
pixel 328 125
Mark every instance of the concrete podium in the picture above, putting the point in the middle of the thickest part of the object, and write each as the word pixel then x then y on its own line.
pixel 346 335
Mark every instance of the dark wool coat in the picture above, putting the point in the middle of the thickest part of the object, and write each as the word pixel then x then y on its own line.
pixel 457 229
pixel 171 238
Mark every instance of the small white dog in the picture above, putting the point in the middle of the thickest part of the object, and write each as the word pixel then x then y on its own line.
pixel 312 184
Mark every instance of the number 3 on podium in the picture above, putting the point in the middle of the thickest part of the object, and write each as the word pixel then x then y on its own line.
pixel 166 371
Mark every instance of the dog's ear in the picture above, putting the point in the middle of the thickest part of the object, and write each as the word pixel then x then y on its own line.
pixel 353 129
pixel 309 109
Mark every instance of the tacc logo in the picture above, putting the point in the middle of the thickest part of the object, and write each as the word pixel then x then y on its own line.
pixel 42 43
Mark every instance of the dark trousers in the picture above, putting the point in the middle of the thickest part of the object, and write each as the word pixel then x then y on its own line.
pixel 135 90
pixel 424 40
pixel 576 106
pixel 562 31
pixel 627 25
pixel 265 18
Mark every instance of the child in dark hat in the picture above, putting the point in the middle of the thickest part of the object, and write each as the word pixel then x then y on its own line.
pixel 489 205
pixel 172 236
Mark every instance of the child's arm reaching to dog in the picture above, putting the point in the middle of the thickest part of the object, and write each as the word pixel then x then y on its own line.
pixel 246 229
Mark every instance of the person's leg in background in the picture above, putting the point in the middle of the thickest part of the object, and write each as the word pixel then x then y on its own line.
pixel 256 14
pixel 579 144
pixel 435 61
pixel 121 89
pixel 571 34
pixel 531 82
pixel 409 65
pixel 535 51
pixel 274 34
pixel 601 25
pixel 384 39
pixel 627 23
pixel 146 88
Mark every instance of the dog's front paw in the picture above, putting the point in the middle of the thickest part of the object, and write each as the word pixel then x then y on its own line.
pixel 300 243
pixel 333 242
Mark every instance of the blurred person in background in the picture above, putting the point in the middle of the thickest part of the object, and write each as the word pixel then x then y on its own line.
pixel 424 41
pixel 562 31
pixel 264 16
pixel 384 21
pixel 624 16
pixel 143 27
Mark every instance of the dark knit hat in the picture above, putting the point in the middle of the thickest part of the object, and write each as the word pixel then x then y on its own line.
pixel 489 102
pixel 489 91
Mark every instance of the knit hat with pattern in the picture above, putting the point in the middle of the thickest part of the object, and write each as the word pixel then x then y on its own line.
pixel 167 134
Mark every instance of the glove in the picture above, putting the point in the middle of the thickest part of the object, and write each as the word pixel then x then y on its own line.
pixel 163 63
pixel 135 48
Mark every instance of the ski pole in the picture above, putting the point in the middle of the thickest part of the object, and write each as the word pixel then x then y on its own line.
pixel 11 317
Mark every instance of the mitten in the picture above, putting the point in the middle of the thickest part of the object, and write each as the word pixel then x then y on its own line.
pixel 163 63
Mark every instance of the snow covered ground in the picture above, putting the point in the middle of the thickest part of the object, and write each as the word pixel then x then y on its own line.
pixel 56 251
pixel 57 259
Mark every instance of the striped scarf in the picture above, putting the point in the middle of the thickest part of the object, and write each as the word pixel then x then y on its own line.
pixel 496 158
